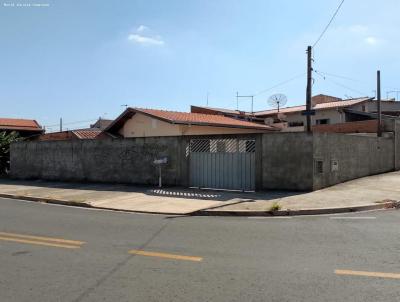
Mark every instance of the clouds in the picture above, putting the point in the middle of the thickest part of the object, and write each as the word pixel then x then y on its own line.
pixel 143 35
pixel 363 33
pixel 371 40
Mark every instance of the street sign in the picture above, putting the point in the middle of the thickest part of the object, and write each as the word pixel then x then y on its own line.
pixel 160 161
pixel 310 112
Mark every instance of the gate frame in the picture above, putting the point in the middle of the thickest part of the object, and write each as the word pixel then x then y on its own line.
pixel 185 167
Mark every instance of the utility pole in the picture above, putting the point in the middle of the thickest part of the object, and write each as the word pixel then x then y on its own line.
pixel 378 97
pixel 309 91
pixel 60 124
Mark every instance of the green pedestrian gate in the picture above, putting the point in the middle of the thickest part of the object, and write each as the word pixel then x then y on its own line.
pixel 222 163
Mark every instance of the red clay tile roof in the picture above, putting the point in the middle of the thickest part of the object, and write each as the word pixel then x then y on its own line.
pixel 338 104
pixel 201 119
pixel 19 124
pixel 187 118
pixel 86 133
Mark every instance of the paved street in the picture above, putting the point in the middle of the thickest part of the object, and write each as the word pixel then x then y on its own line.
pixel 58 253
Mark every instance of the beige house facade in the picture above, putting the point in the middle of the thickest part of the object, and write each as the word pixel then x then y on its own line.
pixel 154 123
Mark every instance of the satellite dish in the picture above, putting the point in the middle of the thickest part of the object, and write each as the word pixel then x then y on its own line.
pixel 268 121
pixel 277 100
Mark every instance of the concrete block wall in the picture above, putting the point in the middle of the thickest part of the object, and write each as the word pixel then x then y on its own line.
pixel 284 161
pixel 287 161
pixel 116 161
pixel 356 156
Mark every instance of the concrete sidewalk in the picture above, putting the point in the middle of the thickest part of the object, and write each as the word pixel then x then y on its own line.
pixel 365 193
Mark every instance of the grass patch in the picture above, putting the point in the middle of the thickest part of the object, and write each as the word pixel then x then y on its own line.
pixel 275 207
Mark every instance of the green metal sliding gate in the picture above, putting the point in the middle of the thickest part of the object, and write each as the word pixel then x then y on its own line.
pixel 227 163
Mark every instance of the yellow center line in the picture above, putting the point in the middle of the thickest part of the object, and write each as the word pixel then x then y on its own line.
pixel 165 255
pixel 39 238
pixel 39 242
pixel 367 274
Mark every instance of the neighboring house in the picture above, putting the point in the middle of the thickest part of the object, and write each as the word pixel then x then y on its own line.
pixel 328 110
pixel 137 122
pixel 94 132
pixel 24 127
pixel 101 124
pixel 71 135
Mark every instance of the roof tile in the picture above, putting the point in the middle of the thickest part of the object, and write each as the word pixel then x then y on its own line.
pixel 86 133
pixel 201 119
pixel 293 109
pixel 19 124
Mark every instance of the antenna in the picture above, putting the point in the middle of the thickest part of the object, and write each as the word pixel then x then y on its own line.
pixel 244 96
pixel 125 105
pixel 277 100
pixel 393 91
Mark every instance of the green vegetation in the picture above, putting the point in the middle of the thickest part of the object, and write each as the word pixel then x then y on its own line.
pixel 6 138
pixel 275 207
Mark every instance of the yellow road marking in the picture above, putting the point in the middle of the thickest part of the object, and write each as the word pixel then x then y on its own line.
pixel 51 239
pixel 165 255
pixel 367 274
pixel 39 240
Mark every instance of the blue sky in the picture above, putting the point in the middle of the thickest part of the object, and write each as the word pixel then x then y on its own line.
pixel 83 59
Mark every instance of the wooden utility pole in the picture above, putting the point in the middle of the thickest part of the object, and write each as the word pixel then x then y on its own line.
pixel 378 98
pixel 309 91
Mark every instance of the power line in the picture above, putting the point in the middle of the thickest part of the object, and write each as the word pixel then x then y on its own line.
pixel 327 26
pixel 72 123
pixel 280 84
pixel 351 79
pixel 339 76
pixel 339 84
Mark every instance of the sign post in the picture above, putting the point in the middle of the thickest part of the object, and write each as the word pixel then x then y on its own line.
pixel 159 162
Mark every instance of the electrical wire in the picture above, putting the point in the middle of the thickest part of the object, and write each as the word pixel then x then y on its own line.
pixel 72 123
pixel 327 26
pixel 339 84
pixel 338 76
pixel 280 84
pixel 352 79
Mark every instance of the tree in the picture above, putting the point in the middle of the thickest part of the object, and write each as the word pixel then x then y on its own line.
pixel 6 138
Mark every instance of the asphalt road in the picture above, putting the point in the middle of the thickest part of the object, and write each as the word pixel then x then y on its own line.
pixel 80 254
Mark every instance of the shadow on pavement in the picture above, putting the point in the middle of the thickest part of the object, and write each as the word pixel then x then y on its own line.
pixel 174 192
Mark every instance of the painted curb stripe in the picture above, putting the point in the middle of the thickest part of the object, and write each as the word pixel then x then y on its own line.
pixel 367 274
pixel 165 255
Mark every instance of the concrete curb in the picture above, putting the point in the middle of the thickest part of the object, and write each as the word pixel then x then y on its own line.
pixel 383 205
pixel 47 200
pixel 82 204
pixel 386 204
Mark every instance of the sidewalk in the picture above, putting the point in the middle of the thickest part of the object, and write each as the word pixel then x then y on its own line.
pixel 372 192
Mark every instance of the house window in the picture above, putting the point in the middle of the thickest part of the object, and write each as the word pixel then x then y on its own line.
pixel 363 108
pixel 323 121
pixel 295 124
